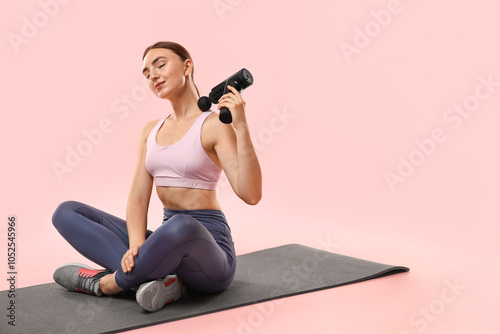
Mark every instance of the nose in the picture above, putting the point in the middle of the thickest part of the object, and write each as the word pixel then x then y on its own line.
pixel 154 76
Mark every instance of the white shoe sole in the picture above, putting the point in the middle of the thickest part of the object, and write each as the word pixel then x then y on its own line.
pixel 153 295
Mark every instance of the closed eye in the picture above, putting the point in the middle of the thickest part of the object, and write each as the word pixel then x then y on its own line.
pixel 158 67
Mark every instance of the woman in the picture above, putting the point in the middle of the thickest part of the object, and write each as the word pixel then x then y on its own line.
pixel 183 154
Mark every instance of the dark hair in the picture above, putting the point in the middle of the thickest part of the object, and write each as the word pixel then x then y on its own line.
pixel 177 49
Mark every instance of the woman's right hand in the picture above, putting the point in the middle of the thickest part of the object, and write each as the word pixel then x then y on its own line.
pixel 128 259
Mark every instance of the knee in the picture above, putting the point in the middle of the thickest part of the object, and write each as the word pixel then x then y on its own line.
pixel 63 212
pixel 180 226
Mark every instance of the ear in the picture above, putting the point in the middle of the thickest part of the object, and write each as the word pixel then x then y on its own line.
pixel 188 66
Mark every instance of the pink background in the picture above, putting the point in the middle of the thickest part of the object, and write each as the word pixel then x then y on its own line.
pixel 351 119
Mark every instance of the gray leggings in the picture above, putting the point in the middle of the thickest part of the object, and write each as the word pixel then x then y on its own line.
pixel 194 244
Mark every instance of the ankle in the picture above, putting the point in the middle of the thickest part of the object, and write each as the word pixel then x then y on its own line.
pixel 101 288
pixel 107 285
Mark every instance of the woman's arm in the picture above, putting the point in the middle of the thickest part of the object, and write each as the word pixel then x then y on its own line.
pixel 249 173
pixel 236 152
pixel 140 194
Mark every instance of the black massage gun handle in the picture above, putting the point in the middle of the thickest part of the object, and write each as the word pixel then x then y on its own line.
pixel 224 114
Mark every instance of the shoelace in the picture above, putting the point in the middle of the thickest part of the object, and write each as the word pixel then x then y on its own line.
pixel 86 282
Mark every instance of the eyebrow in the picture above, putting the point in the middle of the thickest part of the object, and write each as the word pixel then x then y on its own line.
pixel 154 62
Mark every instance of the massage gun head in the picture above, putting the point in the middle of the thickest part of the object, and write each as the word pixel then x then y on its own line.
pixel 204 103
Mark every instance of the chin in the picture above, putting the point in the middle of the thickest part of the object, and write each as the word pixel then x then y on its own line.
pixel 161 96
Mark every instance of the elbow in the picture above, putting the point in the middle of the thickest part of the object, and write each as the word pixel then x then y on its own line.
pixel 250 196
pixel 253 200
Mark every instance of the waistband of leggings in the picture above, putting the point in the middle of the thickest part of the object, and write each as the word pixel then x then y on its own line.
pixel 201 212
pixel 215 211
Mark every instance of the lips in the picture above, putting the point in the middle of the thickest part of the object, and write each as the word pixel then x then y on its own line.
pixel 158 85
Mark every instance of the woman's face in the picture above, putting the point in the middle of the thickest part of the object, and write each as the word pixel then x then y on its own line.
pixel 164 66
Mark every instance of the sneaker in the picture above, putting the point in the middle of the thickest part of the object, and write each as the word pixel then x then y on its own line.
pixel 153 295
pixel 79 277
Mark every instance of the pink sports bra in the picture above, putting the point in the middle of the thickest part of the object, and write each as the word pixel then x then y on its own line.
pixel 183 164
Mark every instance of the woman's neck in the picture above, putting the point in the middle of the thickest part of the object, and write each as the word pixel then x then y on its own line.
pixel 185 105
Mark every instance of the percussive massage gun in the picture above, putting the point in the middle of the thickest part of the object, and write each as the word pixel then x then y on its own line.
pixel 240 80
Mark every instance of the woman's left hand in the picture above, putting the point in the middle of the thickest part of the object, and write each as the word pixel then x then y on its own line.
pixel 236 105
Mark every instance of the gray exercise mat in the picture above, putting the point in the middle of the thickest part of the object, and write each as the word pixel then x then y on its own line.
pixel 261 276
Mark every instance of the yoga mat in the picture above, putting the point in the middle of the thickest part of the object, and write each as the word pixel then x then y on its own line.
pixel 260 276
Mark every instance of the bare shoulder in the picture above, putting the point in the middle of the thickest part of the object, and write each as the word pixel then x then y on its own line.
pixel 217 130
pixel 146 129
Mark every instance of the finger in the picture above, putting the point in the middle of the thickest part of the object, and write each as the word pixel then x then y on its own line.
pixel 126 261
pixel 229 105
pixel 228 100
pixel 236 93
pixel 130 262
pixel 224 98
pixel 229 95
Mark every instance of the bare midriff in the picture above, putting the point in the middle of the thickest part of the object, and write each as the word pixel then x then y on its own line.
pixel 176 198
